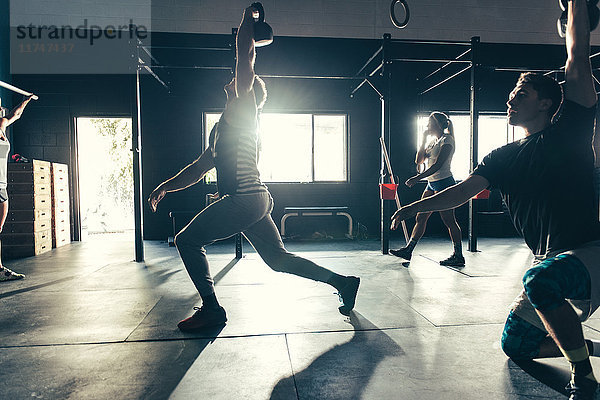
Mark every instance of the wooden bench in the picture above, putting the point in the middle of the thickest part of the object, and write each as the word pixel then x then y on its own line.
pixel 315 212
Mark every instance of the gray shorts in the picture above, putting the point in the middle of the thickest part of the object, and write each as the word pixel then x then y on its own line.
pixel 3 195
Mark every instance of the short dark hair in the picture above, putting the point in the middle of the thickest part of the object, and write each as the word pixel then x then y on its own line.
pixel 546 87
pixel 260 92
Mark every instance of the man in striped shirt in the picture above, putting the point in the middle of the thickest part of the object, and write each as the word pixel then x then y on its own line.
pixel 245 203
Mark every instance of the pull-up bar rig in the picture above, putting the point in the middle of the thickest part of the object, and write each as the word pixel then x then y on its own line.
pixel 148 62
pixel 474 63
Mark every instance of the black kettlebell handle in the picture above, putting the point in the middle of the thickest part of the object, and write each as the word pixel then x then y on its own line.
pixel 395 21
pixel 261 11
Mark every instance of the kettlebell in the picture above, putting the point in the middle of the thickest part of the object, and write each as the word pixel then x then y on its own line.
pixel 263 33
pixel 593 14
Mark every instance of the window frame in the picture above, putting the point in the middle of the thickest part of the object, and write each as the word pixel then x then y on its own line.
pixel 346 143
pixel 511 131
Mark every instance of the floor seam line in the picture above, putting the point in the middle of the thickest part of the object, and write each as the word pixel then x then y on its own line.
pixel 287 346
pixel 447 267
pixel 143 319
pixel 412 308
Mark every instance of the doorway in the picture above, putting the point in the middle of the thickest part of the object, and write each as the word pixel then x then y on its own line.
pixel 105 165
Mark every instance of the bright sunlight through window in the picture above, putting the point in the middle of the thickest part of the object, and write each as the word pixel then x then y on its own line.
pixel 297 147
pixel 494 132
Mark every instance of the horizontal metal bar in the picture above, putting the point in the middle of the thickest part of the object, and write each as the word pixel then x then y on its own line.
pixel 369 60
pixel 409 41
pixel 447 64
pixel 187 48
pixel 346 78
pixel 519 69
pixel 441 60
pixel 446 80
pixel 190 67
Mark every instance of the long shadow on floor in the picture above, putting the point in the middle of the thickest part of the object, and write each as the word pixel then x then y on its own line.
pixel 551 376
pixel 344 371
pixel 173 370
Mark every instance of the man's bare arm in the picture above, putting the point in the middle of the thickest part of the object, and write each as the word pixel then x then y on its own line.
pixel 579 83
pixel 245 53
pixel 447 199
pixel 187 177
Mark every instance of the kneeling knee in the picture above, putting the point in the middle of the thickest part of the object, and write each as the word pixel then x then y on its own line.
pixel 517 349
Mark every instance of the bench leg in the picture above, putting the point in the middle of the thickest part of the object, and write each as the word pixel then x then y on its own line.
pixel 349 221
pixel 238 246
pixel 283 219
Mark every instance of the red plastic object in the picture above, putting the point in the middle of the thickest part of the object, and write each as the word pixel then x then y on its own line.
pixel 387 191
pixel 484 194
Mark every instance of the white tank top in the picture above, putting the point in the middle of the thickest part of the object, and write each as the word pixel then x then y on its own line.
pixel 433 152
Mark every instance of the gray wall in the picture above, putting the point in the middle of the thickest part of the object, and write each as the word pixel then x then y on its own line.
pixel 511 21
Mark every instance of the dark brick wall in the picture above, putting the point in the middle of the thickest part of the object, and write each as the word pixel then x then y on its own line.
pixel 172 120
pixel 46 130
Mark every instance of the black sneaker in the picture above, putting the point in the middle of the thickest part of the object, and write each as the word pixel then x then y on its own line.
pixel 454 261
pixel 402 253
pixel 582 389
pixel 347 294
pixel 203 318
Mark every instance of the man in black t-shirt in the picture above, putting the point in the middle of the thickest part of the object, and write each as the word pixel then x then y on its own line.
pixel 546 181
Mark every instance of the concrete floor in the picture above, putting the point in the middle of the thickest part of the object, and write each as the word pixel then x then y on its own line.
pixel 88 323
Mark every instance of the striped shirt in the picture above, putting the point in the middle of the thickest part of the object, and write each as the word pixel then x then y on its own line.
pixel 235 152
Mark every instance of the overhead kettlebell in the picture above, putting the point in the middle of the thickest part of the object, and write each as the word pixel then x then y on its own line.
pixel 263 33
pixel 593 14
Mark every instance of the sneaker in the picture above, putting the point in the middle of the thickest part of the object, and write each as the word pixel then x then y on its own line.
pixel 203 318
pixel 402 253
pixel 582 389
pixel 8 275
pixel 347 294
pixel 454 261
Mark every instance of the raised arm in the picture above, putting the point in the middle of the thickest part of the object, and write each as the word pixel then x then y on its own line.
pixel 421 156
pixel 15 114
pixel 187 177
pixel 579 83
pixel 245 53
pixel 447 199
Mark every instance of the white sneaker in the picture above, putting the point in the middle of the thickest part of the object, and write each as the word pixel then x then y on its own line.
pixel 8 275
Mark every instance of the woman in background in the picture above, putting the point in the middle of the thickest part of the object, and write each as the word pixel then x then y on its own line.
pixel 437 157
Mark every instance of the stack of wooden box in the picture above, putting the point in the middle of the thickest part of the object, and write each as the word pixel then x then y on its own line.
pixel 27 230
pixel 61 223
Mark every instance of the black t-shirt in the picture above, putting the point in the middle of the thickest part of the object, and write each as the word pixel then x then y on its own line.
pixel 546 181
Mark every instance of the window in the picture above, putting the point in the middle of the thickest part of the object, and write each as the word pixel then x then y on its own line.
pixel 298 147
pixel 494 132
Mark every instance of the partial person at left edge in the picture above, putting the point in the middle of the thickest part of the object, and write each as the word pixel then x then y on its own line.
pixel 6 119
